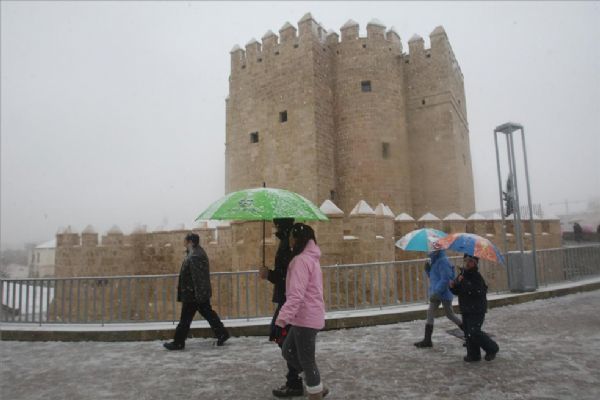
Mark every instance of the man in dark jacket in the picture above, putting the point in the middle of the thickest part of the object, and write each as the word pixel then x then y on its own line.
pixel 471 290
pixel 293 385
pixel 194 292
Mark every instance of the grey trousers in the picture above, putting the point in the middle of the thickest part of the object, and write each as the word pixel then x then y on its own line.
pixel 435 304
pixel 299 351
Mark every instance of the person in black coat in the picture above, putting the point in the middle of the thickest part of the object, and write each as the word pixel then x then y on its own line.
pixel 194 292
pixel 293 386
pixel 471 289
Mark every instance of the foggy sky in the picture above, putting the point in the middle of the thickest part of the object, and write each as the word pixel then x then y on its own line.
pixel 114 113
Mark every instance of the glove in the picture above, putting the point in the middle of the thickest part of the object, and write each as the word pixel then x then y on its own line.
pixel 280 334
pixel 427 267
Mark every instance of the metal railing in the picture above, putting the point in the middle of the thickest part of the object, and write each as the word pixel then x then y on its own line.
pixel 153 298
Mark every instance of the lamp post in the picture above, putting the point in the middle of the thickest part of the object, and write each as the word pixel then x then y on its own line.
pixel 508 129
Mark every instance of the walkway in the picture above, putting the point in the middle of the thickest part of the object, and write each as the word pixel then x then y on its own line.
pixel 550 349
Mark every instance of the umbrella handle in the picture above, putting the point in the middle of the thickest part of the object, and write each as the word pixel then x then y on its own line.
pixel 264 236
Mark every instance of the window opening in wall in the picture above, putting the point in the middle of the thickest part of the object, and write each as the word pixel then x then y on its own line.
pixel 332 195
pixel 243 66
pixel 428 55
pixel 365 86
pixel 276 53
pixel 254 137
pixel 259 60
pixel 423 102
pixel 364 46
pixel 385 150
pixel 296 46
pixel 406 62
pixel 283 116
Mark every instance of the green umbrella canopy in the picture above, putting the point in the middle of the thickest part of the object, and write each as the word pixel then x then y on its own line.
pixel 262 204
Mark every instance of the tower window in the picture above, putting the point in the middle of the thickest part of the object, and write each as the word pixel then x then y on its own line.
pixel 283 116
pixel 254 137
pixel 365 86
pixel 385 150
pixel 423 101
pixel 332 195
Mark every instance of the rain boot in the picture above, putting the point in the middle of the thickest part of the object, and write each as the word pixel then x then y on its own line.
pixel 426 342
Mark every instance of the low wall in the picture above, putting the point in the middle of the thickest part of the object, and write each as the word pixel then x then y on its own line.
pixel 369 318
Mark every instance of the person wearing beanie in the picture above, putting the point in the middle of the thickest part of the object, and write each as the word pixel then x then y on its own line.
pixel 471 289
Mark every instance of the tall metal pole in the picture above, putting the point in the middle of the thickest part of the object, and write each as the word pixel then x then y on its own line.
pixel 517 214
pixel 530 206
pixel 500 192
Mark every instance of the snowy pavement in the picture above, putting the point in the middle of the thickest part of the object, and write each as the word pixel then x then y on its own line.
pixel 549 349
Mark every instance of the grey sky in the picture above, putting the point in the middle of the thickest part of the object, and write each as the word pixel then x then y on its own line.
pixel 114 113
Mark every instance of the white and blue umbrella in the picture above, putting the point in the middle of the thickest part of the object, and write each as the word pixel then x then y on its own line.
pixel 420 240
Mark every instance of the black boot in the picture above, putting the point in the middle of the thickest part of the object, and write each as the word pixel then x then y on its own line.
pixel 222 338
pixel 174 346
pixel 426 342
pixel 471 359
pixel 286 391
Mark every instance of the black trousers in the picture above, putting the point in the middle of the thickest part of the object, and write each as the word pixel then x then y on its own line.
pixel 293 379
pixel 188 310
pixel 476 339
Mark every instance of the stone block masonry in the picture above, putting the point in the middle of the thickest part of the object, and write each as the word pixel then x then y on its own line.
pixel 350 118
pixel 364 235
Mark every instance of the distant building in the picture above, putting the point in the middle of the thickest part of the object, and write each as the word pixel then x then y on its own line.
pixel 43 260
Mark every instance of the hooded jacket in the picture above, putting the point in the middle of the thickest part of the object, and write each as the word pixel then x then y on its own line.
pixel 304 305
pixel 440 274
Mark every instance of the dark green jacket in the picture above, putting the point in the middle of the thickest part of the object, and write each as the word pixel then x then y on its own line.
pixel 194 278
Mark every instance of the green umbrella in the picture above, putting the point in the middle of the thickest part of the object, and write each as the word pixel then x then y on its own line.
pixel 262 204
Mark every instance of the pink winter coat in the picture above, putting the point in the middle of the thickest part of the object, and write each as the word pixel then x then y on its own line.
pixel 304 305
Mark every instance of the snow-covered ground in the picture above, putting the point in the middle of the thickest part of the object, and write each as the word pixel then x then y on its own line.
pixel 549 349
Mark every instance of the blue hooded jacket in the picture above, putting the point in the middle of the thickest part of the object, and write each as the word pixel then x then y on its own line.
pixel 440 274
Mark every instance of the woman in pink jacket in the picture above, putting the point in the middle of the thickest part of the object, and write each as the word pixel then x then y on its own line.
pixel 304 310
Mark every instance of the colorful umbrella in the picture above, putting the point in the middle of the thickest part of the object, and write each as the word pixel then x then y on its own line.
pixel 420 240
pixel 262 204
pixel 471 244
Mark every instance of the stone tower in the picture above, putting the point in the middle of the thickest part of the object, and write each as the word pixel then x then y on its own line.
pixel 351 118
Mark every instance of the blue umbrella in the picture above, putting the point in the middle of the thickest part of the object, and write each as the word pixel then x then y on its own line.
pixel 420 240
pixel 473 245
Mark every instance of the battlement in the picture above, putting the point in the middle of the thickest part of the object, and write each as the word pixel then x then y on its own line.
pixel 310 31
pixel 440 50
pixel 365 234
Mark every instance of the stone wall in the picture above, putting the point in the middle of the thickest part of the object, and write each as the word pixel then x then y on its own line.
pixel 363 119
pixel 363 235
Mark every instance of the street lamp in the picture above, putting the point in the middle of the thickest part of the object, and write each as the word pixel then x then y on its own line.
pixel 522 268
